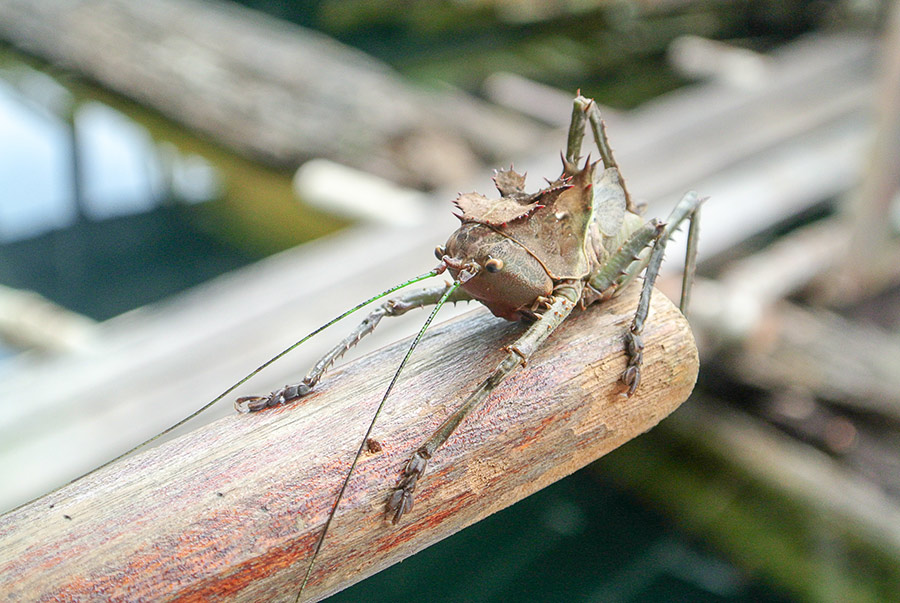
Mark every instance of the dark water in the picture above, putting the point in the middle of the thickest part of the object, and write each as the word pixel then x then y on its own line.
pixel 104 268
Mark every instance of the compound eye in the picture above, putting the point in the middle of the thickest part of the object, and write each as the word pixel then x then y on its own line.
pixel 493 265
pixel 439 252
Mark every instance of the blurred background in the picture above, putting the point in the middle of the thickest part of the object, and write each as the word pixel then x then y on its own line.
pixel 187 187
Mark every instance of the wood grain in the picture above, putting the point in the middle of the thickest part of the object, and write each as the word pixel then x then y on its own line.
pixel 232 510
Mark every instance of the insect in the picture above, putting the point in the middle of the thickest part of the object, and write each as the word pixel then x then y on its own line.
pixel 530 257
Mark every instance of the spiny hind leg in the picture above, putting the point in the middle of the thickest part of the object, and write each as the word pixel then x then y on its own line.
pixel 561 305
pixel 576 131
pixel 687 208
pixel 395 306
pixel 585 110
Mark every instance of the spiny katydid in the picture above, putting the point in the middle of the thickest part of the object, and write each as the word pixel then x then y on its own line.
pixel 526 256
pixel 530 257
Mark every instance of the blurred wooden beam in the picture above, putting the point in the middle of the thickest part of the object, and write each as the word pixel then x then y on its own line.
pixel 744 315
pixel 234 508
pixel 870 264
pixel 267 88
pixel 781 462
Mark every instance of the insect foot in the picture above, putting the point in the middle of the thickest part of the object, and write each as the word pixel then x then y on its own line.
pixel 401 501
pixel 634 348
pixel 286 394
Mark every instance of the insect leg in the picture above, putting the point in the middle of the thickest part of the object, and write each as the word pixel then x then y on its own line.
pixel 396 306
pixel 447 295
pixel 563 301
pixel 690 260
pixel 576 131
pixel 627 262
pixel 634 344
pixel 598 127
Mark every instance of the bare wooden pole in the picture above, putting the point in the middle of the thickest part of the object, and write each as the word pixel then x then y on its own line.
pixel 870 263
pixel 232 510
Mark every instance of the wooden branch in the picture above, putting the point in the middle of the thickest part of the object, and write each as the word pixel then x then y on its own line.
pixel 232 510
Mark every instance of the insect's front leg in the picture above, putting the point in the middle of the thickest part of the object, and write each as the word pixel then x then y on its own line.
pixel 393 307
pixel 561 305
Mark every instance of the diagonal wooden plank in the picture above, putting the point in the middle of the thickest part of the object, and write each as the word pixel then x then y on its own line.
pixel 234 508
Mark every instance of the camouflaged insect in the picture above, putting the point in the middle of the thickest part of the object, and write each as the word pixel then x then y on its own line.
pixel 564 232
pixel 534 257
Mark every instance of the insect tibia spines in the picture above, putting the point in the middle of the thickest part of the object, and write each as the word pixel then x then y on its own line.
pixel 634 344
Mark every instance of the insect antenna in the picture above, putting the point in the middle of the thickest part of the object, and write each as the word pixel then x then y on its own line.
pixel 365 438
pixel 250 375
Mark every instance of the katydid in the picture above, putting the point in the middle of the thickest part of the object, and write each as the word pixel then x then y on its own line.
pixel 533 257
pixel 529 257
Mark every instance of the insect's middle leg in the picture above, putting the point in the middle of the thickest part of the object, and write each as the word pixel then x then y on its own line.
pixel 393 307
pixel 562 304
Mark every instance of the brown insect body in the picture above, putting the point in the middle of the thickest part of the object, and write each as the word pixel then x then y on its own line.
pixel 511 253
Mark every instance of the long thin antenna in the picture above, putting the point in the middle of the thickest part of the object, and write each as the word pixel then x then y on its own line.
pixel 362 444
pixel 281 354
